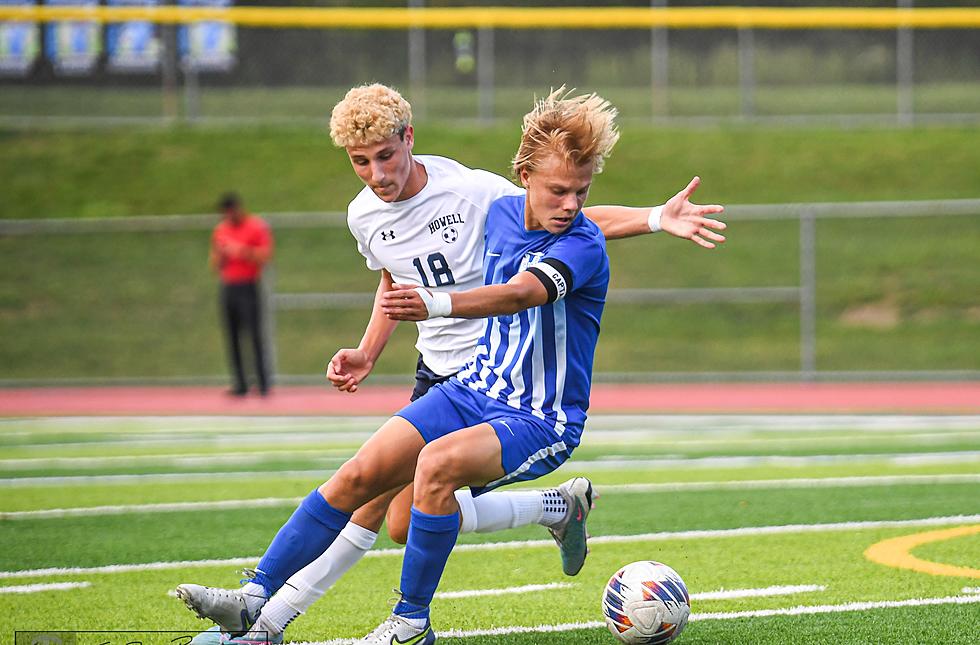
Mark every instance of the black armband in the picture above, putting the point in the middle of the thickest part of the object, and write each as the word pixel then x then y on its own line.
pixel 555 276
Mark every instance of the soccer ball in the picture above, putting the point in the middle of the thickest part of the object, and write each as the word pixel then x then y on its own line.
pixel 645 603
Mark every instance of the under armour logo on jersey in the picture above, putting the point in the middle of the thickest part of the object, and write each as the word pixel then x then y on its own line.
pixel 387 235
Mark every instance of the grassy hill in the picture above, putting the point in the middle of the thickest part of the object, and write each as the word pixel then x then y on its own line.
pixel 892 293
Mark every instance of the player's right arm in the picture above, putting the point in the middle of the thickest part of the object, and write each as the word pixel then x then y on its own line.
pixel 411 302
pixel 349 367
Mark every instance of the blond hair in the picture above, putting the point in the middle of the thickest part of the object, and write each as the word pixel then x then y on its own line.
pixel 580 129
pixel 369 114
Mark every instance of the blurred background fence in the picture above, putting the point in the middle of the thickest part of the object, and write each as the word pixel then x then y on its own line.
pixel 797 298
pixel 656 59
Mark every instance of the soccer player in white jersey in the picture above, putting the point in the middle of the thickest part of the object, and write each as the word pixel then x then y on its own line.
pixel 421 219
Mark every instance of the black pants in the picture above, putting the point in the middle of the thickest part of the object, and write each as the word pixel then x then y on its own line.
pixel 241 312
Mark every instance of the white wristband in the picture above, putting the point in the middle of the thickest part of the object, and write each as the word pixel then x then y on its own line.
pixel 439 304
pixel 653 221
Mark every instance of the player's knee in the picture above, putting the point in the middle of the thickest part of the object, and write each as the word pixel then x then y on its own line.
pixel 435 473
pixel 353 477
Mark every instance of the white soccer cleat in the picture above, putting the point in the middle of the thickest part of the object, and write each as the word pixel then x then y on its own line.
pixel 224 607
pixel 398 631
pixel 570 533
pixel 261 633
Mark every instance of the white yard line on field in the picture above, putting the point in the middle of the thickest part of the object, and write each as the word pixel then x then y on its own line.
pixel 758 613
pixel 174 507
pixel 526 544
pixel 98 480
pixel 797 482
pixel 777 590
pixel 746 461
pixel 903 459
pixel 750 484
pixel 176 459
pixel 474 593
pixel 721 594
pixel 53 586
pixel 970 590
pixel 597 423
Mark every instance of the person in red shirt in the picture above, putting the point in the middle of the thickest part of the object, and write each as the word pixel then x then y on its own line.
pixel 241 245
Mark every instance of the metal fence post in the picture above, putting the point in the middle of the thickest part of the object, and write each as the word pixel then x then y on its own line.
pixel 268 330
pixel 485 72
pixel 416 64
pixel 808 295
pixel 659 66
pixel 905 70
pixel 746 71
pixel 192 90
pixel 168 71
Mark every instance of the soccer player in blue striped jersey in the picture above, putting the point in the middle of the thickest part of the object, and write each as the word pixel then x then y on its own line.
pixel 517 410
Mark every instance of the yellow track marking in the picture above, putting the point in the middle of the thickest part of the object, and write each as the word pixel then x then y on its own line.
pixel 895 552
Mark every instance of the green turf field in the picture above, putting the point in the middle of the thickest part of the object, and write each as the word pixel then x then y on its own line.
pixel 784 506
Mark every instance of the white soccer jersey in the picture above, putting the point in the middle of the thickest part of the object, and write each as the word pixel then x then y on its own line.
pixel 434 239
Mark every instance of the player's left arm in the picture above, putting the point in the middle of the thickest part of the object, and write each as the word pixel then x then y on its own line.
pixel 678 216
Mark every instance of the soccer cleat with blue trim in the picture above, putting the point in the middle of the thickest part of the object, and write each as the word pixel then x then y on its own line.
pixel 225 607
pixel 570 533
pixel 398 631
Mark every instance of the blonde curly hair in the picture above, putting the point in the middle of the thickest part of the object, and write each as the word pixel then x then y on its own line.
pixel 580 129
pixel 369 114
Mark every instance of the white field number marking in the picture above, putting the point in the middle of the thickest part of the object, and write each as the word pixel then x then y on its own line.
pixel 524 544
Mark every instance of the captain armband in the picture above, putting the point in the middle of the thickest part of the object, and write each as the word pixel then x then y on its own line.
pixel 555 276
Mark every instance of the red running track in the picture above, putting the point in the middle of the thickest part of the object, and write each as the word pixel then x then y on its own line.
pixel 714 398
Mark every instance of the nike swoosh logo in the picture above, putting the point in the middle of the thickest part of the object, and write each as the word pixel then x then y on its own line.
pixel 578 516
pixel 411 641
pixel 496 255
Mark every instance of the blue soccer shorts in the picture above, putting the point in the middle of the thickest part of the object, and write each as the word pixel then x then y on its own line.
pixel 530 447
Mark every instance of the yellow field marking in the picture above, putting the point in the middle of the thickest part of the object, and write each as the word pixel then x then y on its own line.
pixel 895 552
pixel 522 17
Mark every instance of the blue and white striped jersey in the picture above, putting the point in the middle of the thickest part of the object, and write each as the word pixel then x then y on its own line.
pixel 540 360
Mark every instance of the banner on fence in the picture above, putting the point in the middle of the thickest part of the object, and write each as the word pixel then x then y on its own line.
pixel 20 43
pixel 73 46
pixel 133 46
pixel 208 46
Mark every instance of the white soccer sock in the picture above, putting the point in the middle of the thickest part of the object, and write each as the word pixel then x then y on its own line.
pixel 255 597
pixel 555 507
pixel 309 583
pixel 500 510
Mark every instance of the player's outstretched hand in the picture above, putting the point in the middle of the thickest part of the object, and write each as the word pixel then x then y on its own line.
pixel 403 302
pixel 348 368
pixel 686 220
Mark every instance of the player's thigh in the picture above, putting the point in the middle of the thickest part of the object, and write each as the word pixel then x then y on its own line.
pixel 467 456
pixel 385 461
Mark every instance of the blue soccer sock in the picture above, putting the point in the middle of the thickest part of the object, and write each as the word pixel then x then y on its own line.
pixel 430 541
pixel 308 532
